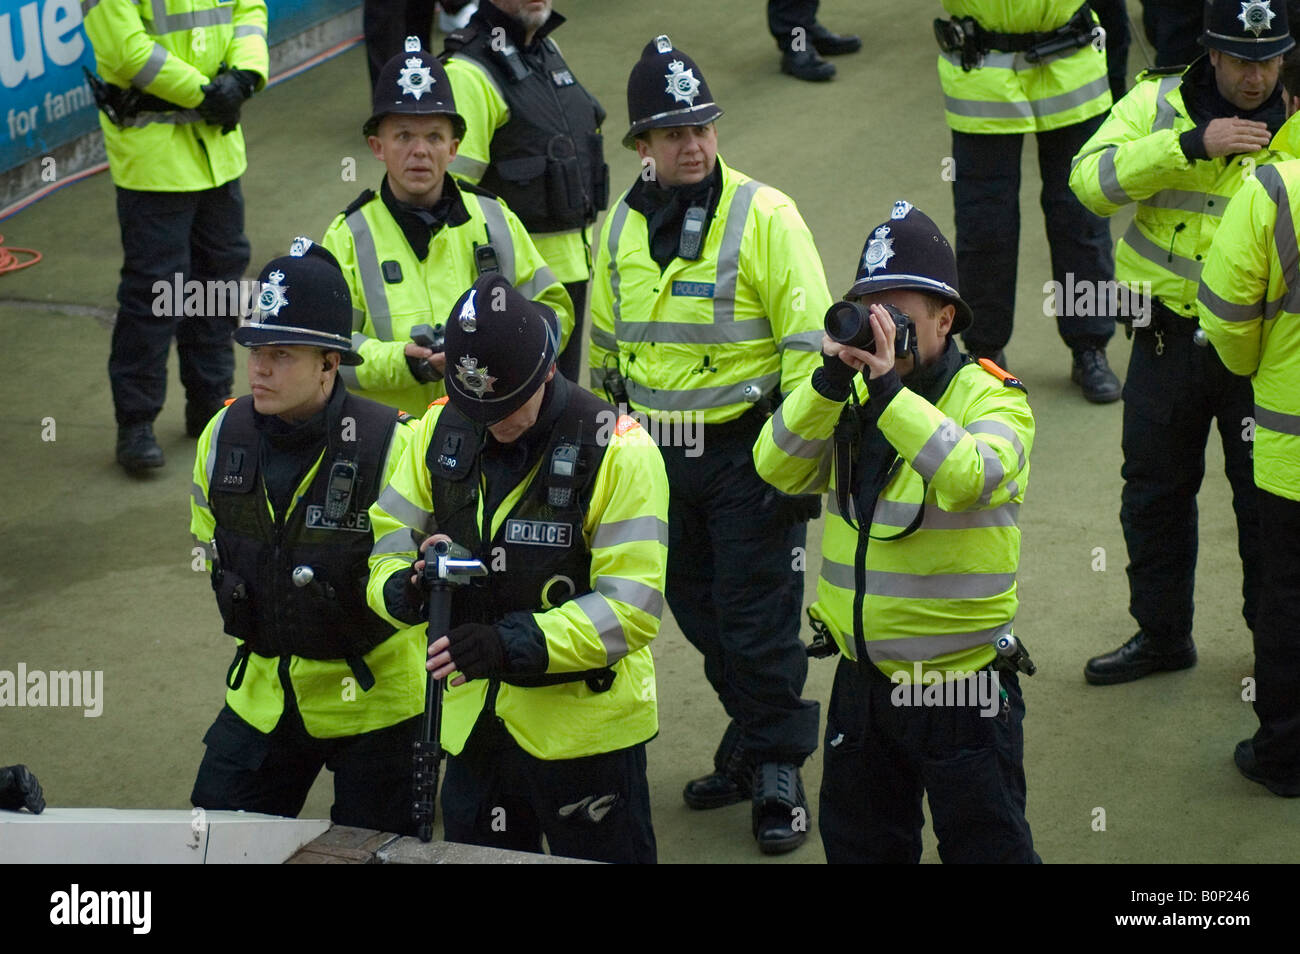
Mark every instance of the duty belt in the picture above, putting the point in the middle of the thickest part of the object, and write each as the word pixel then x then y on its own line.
pixel 965 36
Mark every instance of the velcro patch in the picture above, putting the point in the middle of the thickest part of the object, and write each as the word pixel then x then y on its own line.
pixel 539 533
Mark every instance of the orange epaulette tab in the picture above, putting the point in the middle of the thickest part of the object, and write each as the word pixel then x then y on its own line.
pixel 441 400
pixel 229 401
pixel 1008 379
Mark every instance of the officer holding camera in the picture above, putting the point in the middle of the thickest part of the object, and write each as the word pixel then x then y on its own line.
pixel 551 694
pixel 927 460
pixel 282 482
pixel 705 303
pixel 409 250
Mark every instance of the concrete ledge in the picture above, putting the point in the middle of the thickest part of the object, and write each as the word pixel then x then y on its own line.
pixel 360 846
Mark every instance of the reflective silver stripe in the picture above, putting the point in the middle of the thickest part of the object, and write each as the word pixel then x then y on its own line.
pixel 993 470
pixel 1027 109
pixel 463 165
pixel 483 68
pixel 1284 229
pixel 695 332
pixel 1109 179
pixel 348 372
pixel 603 339
pixel 1183 267
pixel 398 507
pixel 936 450
pixel 995 59
pixel 615 230
pixel 791 443
pixel 596 381
pixel 998 429
pixel 358 339
pixel 609 630
pixel 837 574
pixel 1226 310
pixel 1084 155
pixel 632 530
pixel 199 496
pixel 210 461
pixel 205 545
pixel 1187 201
pixel 396 541
pixel 727 272
pixel 250 29
pixel 632 592
pixel 163 22
pixel 372 282
pixel 177 118
pixel 152 67
pixel 921 648
pixel 833 506
pixel 1165 111
pixel 499 236
pixel 542 279
pixel 803 341
pixel 938 586
pixel 1277 421
pixel 892 513
pixel 699 399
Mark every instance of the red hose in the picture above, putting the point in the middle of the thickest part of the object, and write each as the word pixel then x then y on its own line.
pixel 10 262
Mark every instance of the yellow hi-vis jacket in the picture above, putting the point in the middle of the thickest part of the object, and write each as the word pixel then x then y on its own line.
pixel 716 334
pixel 170 49
pixel 611 625
pixel 1135 157
pixel 1007 93
pixel 1249 306
pixel 941 596
pixel 325 691
pixel 384 312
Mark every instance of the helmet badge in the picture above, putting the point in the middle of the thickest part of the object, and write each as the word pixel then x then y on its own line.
pixel 1256 16
pixel 414 78
pixel 682 83
pixel 879 250
pixel 273 297
pixel 474 379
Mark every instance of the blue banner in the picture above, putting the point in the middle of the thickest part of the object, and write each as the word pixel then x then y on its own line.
pixel 45 100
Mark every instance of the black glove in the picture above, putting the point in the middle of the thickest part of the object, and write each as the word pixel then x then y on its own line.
pixel 405 600
pixel 223 97
pixel 477 650
pixel 19 789
pixel 422 370
pixel 834 379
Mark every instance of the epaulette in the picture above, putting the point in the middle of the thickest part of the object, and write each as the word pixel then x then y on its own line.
pixel 365 196
pixel 464 186
pixel 1155 72
pixel 441 400
pixel 404 418
pixel 1006 377
pixel 457 39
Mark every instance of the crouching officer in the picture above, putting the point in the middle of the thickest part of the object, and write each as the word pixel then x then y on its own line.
pixel 551 691
pixel 409 250
pixel 927 466
pixel 282 481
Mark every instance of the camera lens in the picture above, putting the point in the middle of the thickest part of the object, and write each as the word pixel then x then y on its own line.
pixel 849 323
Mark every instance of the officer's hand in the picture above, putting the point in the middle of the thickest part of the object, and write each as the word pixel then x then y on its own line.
pixel 425 365
pixel 19 789
pixel 417 568
pixel 222 99
pixel 1228 136
pixel 474 650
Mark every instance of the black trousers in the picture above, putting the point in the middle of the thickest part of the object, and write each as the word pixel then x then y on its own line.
pixel 1170 400
pixel 1277 639
pixel 986 207
pixel 1172 28
pixel 247 770
pixel 198 236
pixel 1113 18
pixel 597 808
pixel 784 16
pixel 386 25
pixel 570 360
pixel 735 586
pixel 881 758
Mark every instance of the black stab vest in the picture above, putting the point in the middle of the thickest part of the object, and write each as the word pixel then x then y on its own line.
pixel 548 161
pixel 254 574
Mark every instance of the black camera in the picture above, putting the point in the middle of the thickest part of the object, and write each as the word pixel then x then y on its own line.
pixel 849 323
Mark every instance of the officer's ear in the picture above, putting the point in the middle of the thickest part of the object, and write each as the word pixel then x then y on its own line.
pixel 330 360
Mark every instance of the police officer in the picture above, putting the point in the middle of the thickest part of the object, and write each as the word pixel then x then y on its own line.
pixel 282 480
pixel 551 692
pixel 176 152
pixel 705 309
pixel 1010 68
pixel 1177 145
pixel 409 250
pixel 1244 309
pixel 927 466
pixel 793 24
pixel 533 138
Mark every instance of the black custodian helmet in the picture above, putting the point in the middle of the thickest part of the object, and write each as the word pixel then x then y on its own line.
pixel 667 88
pixel 413 83
pixel 1247 29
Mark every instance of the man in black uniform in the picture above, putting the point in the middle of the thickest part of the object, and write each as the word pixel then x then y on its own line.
pixel 532 137
pixel 282 483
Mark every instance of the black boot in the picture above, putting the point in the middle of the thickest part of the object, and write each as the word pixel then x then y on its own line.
pixel 1092 372
pixel 806 65
pixel 731 780
pixel 198 413
pixel 137 450
pixel 780 814
pixel 1139 657
pixel 1249 766
pixel 829 44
